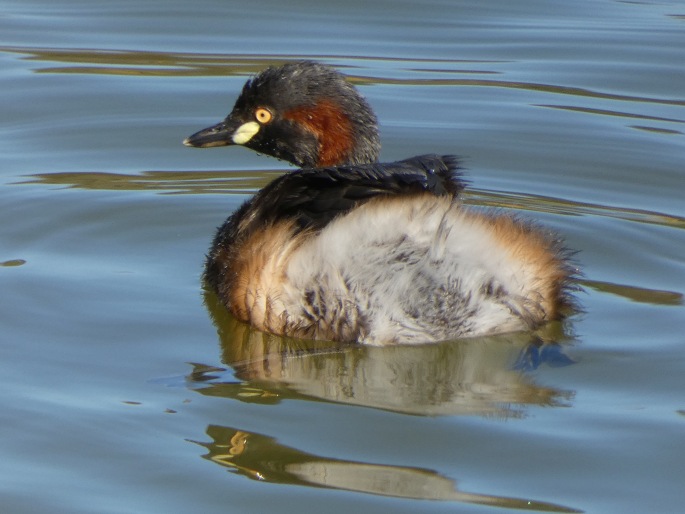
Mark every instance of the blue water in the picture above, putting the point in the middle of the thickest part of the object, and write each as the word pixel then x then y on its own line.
pixel 128 389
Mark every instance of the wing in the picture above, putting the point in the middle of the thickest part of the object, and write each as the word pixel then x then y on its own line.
pixel 313 197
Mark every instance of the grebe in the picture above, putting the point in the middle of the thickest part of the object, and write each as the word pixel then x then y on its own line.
pixel 349 250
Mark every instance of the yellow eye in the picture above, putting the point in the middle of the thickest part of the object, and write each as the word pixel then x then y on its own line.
pixel 263 116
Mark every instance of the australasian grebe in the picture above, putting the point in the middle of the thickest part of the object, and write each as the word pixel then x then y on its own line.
pixel 350 250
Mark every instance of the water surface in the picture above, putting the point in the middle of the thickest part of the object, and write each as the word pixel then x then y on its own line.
pixel 128 389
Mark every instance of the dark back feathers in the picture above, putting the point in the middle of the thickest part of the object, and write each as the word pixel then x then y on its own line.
pixel 314 197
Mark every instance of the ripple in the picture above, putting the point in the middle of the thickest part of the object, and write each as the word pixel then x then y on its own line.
pixel 552 205
pixel 636 294
pixel 113 62
pixel 13 263
pixel 606 112
pixel 250 181
pixel 656 129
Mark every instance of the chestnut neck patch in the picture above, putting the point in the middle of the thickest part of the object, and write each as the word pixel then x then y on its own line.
pixel 332 128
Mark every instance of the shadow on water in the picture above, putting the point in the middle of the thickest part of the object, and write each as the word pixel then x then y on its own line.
pixel 484 376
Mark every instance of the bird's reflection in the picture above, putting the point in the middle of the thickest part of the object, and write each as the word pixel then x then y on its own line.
pixel 262 458
pixel 484 376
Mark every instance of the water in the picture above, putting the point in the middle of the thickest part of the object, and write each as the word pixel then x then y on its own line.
pixel 127 389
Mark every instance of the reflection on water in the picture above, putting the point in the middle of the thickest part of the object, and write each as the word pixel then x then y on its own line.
pixel 174 182
pixel 483 376
pixel 636 294
pixel 262 458
pixel 94 61
pixel 250 181
pixel 109 62
pixel 12 263
pixel 607 112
